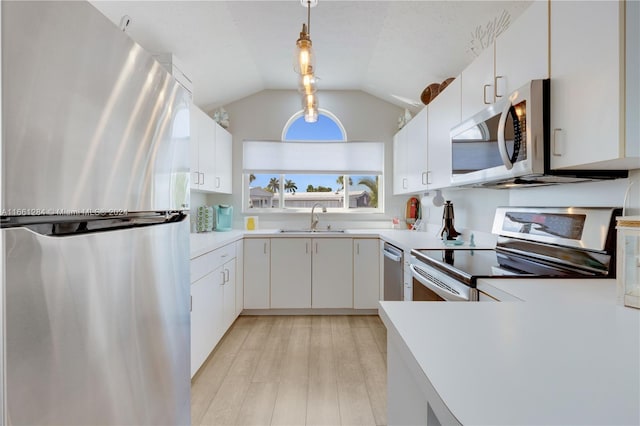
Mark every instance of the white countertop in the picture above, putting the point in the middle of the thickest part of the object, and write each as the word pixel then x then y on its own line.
pixel 528 363
pixel 404 239
pixel 559 290
pixel 204 242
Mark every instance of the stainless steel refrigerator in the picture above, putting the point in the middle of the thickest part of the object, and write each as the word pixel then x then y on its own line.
pixel 95 235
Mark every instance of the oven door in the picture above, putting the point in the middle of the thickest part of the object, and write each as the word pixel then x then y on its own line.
pixel 499 142
pixel 432 285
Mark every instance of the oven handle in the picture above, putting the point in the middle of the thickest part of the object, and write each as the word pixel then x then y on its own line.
pixel 442 292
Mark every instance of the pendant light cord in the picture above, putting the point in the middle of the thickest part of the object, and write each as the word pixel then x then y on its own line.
pixel 309 17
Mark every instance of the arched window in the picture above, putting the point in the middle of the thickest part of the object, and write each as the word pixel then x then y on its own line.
pixel 300 191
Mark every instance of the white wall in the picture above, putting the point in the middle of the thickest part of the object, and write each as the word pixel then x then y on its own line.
pixel 264 115
pixel 474 208
pixel 590 194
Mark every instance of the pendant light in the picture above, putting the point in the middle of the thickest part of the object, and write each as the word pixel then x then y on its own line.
pixel 304 64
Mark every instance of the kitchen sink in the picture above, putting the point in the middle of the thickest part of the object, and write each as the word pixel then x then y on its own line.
pixel 308 231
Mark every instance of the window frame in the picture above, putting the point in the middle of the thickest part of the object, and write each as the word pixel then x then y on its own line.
pixel 281 208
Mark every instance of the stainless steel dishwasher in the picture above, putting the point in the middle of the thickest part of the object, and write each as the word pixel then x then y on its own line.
pixel 393 273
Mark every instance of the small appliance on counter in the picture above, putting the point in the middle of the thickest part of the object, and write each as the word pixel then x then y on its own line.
pixel 224 217
pixel 205 220
pixel 448 231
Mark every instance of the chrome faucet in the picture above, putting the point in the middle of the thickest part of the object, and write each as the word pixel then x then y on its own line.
pixel 314 218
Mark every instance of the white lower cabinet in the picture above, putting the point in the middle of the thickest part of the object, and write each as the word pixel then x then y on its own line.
pixel 213 301
pixel 332 273
pixel 366 273
pixel 206 312
pixel 257 266
pixel 229 295
pixel 316 273
pixel 291 273
pixel 239 277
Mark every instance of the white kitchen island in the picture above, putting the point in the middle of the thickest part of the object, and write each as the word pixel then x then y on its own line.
pixel 512 363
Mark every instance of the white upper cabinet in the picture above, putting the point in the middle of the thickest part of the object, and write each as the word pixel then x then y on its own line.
pixel 223 160
pixel 477 83
pixel 203 150
pixel 444 113
pixel 522 50
pixel 588 86
pixel 210 154
pixel 418 144
pixel 400 162
pixel 410 156
pixel 518 55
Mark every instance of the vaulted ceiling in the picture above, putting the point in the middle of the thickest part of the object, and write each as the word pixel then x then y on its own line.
pixel 389 49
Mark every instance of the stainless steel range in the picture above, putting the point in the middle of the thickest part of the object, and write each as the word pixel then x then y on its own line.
pixel 533 242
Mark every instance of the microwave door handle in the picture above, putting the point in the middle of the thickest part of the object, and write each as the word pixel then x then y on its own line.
pixel 502 143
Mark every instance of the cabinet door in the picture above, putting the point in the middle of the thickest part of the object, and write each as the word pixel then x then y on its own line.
pixel 239 277
pixel 585 83
pixel 332 273
pixel 477 83
pixel 193 144
pixel 204 127
pixel 400 162
pixel 417 151
pixel 256 273
pixel 444 113
pixel 290 273
pixel 206 317
pixel 522 51
pixel 223 160
pixel 366 273
pixel 229 295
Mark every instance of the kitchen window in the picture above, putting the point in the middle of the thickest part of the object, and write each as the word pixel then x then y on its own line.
pixel 314 163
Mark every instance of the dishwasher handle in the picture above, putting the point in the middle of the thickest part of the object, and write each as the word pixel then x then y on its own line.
pixel 390 255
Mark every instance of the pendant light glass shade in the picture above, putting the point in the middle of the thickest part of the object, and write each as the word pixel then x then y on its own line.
pixel 307 84
pixel 310 108
pixel 304 59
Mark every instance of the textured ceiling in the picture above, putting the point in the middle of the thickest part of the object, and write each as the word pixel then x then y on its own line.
pixel 232 49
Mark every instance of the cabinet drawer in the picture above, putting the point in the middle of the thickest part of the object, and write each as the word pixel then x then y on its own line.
pixel 202 265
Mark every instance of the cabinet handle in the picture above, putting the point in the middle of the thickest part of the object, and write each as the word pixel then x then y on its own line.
pixel 316 248
pixel 224 255
pixel 265 248
pixel 202 183
pixel 554 151
pixel 424 178
pixel 217 182
pixel 495 85
pixel 429 178
pixel 197 178
pixel 484 90
pixel 223 277
pixel 404 183
pixel 226 275
pixel 358 248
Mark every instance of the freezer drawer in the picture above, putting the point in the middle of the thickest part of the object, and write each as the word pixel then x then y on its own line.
pixel 97 327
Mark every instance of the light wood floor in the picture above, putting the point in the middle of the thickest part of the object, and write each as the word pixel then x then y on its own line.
pixel 295 370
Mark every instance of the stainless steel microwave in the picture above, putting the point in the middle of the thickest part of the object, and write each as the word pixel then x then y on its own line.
pixel 507 144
